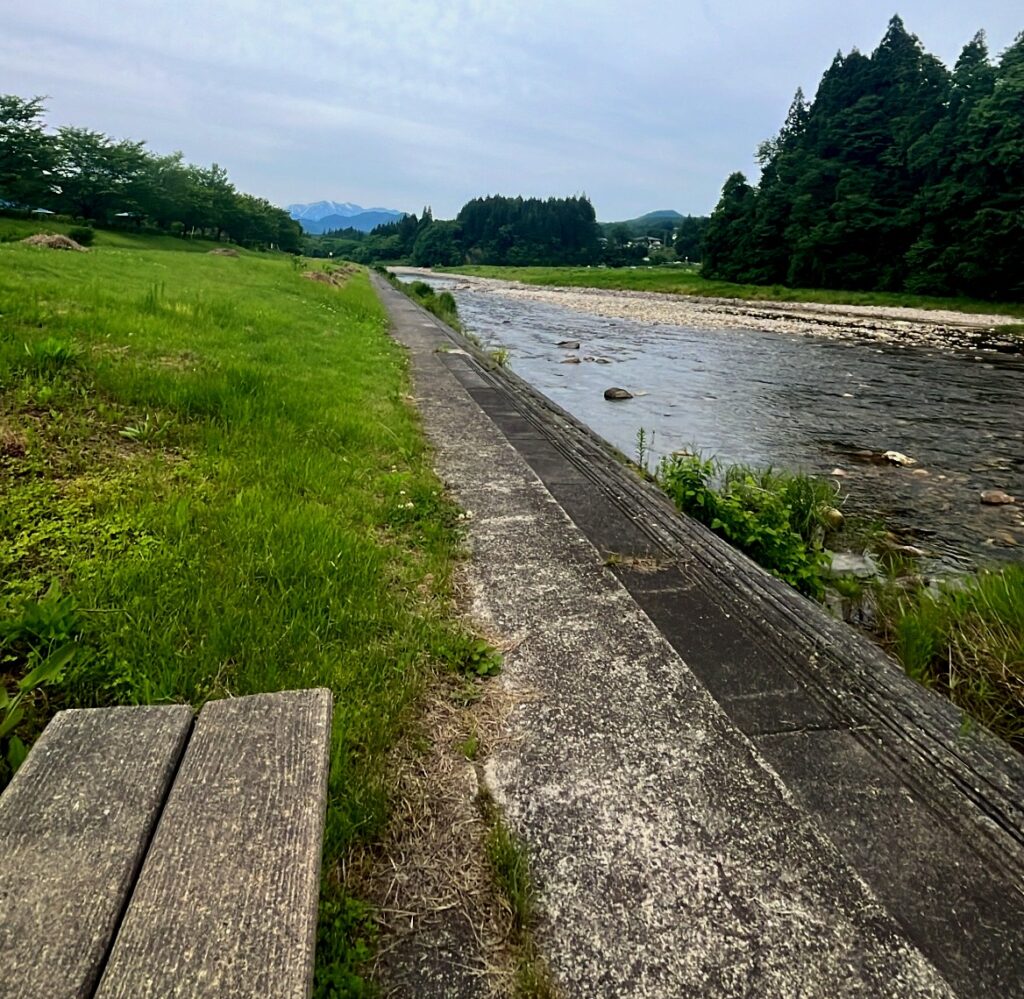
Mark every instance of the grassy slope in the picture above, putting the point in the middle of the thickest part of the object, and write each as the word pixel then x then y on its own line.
pixel 214 459
pixel 683 281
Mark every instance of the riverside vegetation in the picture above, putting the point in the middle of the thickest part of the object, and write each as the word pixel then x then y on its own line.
pixel 964 639
pixel 212 484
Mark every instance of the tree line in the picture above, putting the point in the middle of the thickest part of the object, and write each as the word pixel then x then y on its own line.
pixel 899 175
pixel 87 175
pixel 491 230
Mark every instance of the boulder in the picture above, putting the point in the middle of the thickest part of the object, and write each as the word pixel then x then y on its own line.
pixel 996 497
pixel 570 360
pixel 569 344
pixel 617 393
pixel 895 458
pixel 852 564
pixel 834 518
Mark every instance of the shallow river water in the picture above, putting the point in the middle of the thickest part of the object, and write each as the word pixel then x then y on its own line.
pixel 795 402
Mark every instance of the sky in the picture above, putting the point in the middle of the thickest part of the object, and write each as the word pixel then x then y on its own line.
pixel 399 104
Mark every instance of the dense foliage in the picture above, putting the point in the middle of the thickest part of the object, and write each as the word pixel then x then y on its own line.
pixel 899 175
pixel 779 519
pixel 492 230
pixel 88 175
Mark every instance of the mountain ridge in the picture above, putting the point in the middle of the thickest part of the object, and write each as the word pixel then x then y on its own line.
pixel 323 216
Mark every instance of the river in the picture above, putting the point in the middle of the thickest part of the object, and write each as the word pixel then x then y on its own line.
pixel 799 402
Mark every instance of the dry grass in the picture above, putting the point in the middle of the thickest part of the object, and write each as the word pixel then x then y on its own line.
pixel 54 241
pixel 430 880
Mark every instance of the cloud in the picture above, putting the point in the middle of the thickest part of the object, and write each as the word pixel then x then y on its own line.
pixel 402 103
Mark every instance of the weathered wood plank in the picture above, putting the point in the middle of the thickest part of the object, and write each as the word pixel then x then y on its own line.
pixel 226 903
pixel 74 826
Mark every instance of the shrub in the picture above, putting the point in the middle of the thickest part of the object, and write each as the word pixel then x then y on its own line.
pixel 777 518
pixel 82 234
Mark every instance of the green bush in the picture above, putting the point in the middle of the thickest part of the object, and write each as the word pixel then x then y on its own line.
pixel 777 518
pixel 82 234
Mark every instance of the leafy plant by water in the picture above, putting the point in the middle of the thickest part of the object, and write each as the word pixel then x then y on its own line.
pixel 779 519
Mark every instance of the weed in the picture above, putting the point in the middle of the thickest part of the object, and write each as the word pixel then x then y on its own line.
pixel 644 444
pixel 779 519
pixel 470 746
pixel 500 356
pixel 966 641
pixel 511 868
pixel 471 656
pixel 148 431
pixel 346 931
pixel 48 671
pixel 50 356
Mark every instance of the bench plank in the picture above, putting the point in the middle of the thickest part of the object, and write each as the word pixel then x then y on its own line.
pixel 74 826
pixel 226 903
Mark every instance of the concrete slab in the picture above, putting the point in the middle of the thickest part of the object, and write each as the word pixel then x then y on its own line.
pixel 886 832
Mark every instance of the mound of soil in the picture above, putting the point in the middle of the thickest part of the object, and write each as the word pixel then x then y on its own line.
pixel 224 251
pixel 54 241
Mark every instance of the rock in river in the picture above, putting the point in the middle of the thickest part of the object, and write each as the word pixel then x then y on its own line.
pixel 569 344
pixel 617 393
pixel 569 360
pixel 995 497
pixel 895 458
pixel 852 564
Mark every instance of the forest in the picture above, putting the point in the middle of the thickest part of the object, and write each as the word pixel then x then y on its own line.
pixel 491 230
pixel 899 175
pixel 86 175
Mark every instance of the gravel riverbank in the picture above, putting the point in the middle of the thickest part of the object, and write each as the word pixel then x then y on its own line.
pixel 882 324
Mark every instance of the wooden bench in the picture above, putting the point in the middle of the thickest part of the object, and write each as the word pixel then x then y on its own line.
pixel 147 857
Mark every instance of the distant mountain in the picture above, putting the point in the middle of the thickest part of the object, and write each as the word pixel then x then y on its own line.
pixel 364 221
pixel 323 216
pixel 665 218
pixel 667 214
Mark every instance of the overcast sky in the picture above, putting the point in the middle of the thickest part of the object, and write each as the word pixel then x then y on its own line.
pixel 400 104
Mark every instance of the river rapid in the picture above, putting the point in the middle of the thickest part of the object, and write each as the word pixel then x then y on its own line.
pixel 823 396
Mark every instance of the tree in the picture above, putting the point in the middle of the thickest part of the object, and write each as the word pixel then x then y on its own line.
pixel 95 177
pixel 26 152
pixel 438 245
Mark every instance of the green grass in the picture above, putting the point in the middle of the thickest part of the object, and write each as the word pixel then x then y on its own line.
pixel 441 305
pixel 967 642
pixel 509 861
pixel 211 463
pixel 14 229
pixel 688 281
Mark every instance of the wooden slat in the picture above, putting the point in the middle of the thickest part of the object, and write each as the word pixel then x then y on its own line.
pixel 74 826
pixel 226 903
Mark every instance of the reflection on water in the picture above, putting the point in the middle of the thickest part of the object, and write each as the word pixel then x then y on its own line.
pixel 795 402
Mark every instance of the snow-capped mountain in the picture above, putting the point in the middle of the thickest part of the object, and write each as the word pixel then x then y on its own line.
pixel 321 209
pixel 325 216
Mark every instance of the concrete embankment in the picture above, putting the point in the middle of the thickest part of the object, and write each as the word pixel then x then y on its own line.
pixel 724 792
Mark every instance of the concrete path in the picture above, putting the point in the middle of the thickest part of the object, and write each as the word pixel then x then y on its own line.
pixel 724 793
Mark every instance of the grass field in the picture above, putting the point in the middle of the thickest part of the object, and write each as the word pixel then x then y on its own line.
pixel 210 484
pixel 688 281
